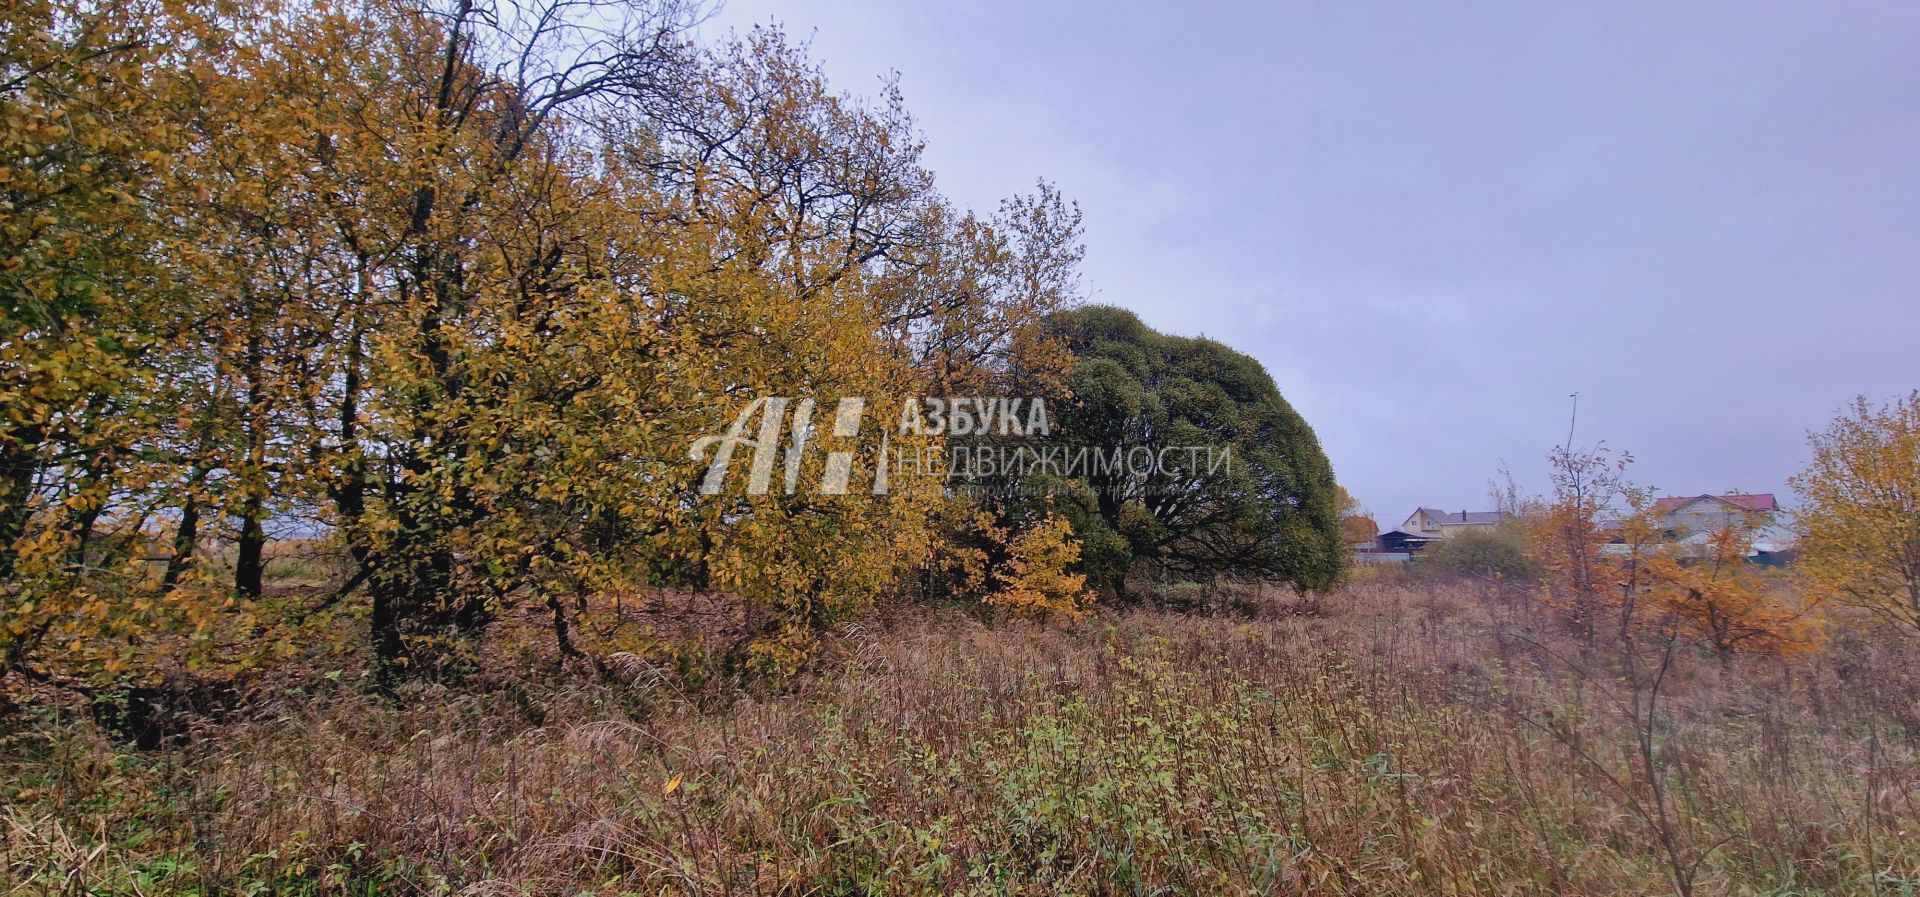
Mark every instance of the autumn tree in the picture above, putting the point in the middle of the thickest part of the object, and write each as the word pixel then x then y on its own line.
pixel 865 282
pixel 1594 505
pixel 1039 576
pixel 1356 524
pixel 429 297
pixel 874 285
pixel 460 285
pixel 1859 516
pixel 88 314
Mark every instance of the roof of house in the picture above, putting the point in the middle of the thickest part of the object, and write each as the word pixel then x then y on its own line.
pixel 1481 517
pixel 1755 501
pixel 1404 535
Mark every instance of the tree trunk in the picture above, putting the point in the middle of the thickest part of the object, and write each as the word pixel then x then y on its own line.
pixel 19 467
pixel 389 646
pixel 410 597
pixel 94 484
pixel 249 567
pixel 186 538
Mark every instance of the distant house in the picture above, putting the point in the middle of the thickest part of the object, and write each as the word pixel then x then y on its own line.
pixel 1403 541
pixel 1438 524
pixel 1393 547
pixel 1688 523
pixel 1681 516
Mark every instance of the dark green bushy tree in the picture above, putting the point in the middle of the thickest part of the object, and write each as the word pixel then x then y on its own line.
pixel 1239 484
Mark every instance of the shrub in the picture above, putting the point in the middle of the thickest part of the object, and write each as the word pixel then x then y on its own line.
pixel 1494 554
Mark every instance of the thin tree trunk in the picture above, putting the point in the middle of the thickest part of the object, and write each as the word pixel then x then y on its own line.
pixel 19 467
pixel 249 567
pixel 388 645
pixel 186 538
pixel 98 470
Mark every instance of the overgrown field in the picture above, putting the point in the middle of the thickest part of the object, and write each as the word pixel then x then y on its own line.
pixel 1386 741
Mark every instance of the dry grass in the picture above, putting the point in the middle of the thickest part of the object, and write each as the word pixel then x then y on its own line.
pixel 1403 742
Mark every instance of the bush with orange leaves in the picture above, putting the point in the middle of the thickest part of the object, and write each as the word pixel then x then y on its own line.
pixel 1604 557
pixel 1718 600
pixel 1594 508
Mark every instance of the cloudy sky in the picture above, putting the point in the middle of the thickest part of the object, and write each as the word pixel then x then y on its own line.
pixel 1433 222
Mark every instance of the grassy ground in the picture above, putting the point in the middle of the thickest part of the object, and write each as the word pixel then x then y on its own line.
pixel 1390 741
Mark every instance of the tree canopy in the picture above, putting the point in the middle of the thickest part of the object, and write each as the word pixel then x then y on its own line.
pixel 1860 517
pixel 453 287
pixel 448 290
pixel 1230 479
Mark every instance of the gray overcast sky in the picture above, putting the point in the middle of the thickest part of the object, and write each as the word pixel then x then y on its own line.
pixel 1434 221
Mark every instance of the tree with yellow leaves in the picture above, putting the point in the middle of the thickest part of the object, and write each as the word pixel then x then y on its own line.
pixel 88 313
pixel 459 284
pixel 1356 523
pixel 1038 576
pixel 1859 516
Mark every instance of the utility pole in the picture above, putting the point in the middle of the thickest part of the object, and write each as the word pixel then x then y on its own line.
pixel 1572 420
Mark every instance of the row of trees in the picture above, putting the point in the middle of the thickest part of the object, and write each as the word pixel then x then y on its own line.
pixel 454 286
pixel 457 284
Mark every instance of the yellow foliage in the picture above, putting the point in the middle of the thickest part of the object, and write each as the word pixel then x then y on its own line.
pixel 1038 576
pixel 464 292
pixel 1860 509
